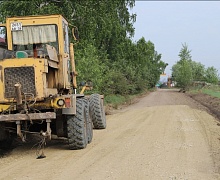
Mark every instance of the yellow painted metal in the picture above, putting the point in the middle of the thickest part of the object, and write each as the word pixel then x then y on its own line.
pixel 40 71
pixel 86 87
pixel 54 102
pixel 164 74
pixel 73 65
pixel 38 20
pixel 51 76
pixel 4 107
pixel 47 104
pixel 83 89
pixel 41 65
pixel 58 20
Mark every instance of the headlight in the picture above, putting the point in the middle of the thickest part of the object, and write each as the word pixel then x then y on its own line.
pixel 60 102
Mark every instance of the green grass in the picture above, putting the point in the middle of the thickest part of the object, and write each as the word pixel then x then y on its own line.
pixel 212 91
pixel 116 100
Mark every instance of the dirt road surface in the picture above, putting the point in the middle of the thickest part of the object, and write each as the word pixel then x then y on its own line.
pixel 166 135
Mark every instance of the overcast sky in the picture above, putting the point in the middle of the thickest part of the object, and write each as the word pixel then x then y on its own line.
pixel 169 24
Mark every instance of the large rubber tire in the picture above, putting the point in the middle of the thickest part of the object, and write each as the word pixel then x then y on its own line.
pixel 76 127
pixel 88 120
pixel 97 112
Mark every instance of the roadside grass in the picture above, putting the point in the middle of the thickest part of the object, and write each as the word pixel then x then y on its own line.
pixel 213 91
pixel 115 100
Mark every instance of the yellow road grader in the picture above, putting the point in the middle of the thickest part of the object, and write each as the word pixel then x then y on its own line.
pixel 38 89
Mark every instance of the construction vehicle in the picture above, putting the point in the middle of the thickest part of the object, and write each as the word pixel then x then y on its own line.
pixel 38 89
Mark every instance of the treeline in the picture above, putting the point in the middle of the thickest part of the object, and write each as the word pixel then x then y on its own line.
pixel 186 71
pixel 105 54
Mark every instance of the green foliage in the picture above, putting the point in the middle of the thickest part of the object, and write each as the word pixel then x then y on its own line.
pixel 211 92
pixel 116 100
pixel 184 53
pixel 211 75
pixel 105 54
pixel 210 89
pixel 185 71
pixel 89 67
pixel 115 83
pixel 198 71
pixel 183 74
pixel 182 70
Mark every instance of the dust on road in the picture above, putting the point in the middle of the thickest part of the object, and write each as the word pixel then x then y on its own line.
pixel 166 135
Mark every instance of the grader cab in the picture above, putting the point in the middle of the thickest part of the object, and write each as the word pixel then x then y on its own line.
pixel 38 83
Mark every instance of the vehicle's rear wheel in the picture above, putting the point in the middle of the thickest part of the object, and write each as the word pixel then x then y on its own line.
pixel 88 120
pixel 97 112
pixel 76 127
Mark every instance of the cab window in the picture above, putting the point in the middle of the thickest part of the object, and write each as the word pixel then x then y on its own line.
pixel 3 37
pixel 29 38
pixel 66 38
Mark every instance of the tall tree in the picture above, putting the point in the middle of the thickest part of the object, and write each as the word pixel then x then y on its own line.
pixel 182 74
pixel 106 52
pixel 185 70
pixel 185 53
pixel 182 71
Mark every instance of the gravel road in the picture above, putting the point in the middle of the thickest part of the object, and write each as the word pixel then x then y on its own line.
pixel 164 136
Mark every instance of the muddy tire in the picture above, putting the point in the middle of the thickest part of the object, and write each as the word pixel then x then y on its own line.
pixel 97 112
pixel 88 120
pixel 76 127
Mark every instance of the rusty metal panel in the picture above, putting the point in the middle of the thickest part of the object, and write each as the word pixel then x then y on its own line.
pixel 23 75
pixel 31 116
